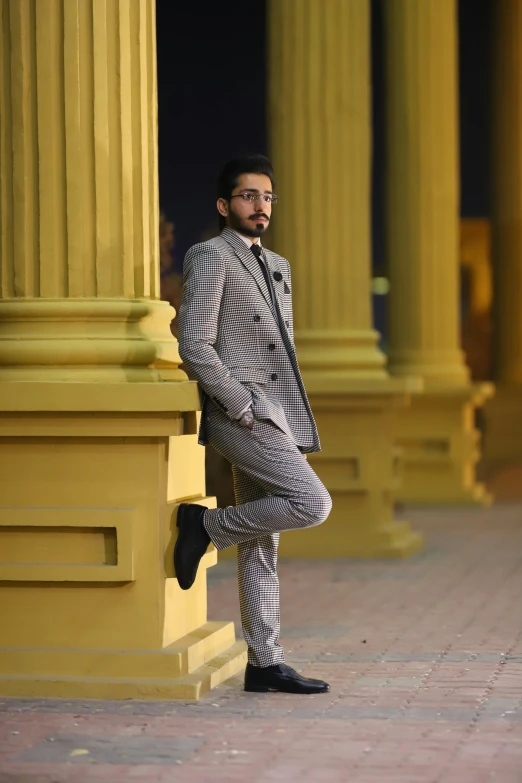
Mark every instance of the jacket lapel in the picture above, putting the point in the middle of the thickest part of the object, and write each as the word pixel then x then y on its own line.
pixel 277 285
pixel 248 260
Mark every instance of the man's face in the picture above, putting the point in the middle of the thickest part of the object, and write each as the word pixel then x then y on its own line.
pixel 250 218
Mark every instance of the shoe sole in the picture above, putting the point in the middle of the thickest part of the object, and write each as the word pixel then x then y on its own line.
pixel 265 689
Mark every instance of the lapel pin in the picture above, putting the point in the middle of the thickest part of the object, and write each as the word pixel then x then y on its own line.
pixel 278 276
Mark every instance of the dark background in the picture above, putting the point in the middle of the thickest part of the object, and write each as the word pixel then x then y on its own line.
pixel 211 84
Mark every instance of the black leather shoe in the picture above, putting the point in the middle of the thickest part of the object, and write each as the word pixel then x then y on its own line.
pixel 192 543
pixel 280 678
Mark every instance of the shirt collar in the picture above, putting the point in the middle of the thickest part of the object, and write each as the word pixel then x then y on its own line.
pixel 248 242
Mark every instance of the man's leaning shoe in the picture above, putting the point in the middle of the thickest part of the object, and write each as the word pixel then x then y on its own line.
pixel 280 678
pixel 192 543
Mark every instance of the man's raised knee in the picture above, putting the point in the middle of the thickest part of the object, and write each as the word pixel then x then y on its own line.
pixel 324 507
pixel 315 509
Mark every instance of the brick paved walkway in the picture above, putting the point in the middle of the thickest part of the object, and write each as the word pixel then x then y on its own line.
pixel 424 658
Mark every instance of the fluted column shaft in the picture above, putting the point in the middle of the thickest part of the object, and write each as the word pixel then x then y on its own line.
pixel 79 193
pixel 507 190
pixel 78 149
pixel 319 107
pixel 422 191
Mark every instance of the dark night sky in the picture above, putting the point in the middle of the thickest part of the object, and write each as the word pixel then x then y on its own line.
pixel 211 82
pixel 211 85
pixel 475 22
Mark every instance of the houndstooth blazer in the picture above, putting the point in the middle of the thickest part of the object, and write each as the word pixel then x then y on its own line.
pixel 235 344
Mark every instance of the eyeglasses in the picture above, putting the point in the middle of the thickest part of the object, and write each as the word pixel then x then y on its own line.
pixel 251 198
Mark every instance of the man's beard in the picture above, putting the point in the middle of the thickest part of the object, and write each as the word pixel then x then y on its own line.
pixel 247 226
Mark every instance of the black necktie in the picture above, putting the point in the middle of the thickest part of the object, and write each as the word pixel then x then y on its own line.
pixel 256 250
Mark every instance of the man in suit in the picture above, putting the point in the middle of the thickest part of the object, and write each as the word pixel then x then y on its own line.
pixel 236 340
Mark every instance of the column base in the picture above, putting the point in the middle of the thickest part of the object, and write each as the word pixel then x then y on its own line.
pixel 361 467
pixel 87 341
pixel 90 604
pixel 441 446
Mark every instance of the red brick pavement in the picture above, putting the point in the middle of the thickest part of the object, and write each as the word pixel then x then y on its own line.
pixel 424 658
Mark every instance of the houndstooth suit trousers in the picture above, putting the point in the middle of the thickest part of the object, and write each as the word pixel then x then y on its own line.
pixel 276 490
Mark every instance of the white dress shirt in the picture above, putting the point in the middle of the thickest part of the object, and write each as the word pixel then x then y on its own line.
pixel 248 242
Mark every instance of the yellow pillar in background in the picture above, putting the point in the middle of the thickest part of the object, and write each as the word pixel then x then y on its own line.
pixel 97 433
pixel 437 432
pixel 319 114
pixel 504 415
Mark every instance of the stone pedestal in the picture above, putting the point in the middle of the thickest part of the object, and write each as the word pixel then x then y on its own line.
pixel 97 422
pixel 441 447
pixel 363 469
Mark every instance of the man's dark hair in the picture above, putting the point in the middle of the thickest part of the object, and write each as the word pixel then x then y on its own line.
pixel 232 170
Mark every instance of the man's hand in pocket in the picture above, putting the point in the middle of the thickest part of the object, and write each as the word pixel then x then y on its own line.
pixel 247 419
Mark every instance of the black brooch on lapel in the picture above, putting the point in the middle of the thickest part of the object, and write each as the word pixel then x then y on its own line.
pixel 278 276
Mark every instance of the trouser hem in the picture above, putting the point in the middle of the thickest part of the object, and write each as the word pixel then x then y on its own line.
pixel 266 661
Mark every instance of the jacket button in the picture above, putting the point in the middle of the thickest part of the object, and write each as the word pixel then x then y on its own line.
pixel 287 324
pixel 274 376
pixel 257 318
pixel 271 347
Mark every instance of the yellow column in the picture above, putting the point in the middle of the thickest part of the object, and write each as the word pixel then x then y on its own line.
pixel 319 107
pixel 504 416
pixel 97 432
pixel 422 196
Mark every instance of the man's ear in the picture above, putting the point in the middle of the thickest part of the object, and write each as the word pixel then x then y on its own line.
pixel 222 207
